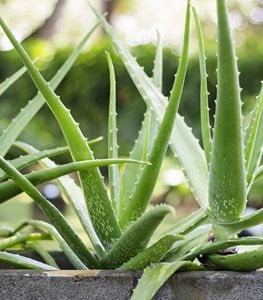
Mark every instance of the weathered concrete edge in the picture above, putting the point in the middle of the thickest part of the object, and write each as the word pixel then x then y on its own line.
pixel 102 284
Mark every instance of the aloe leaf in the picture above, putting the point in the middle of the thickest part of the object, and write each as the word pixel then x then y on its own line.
pixel 205 124
pixel 20 238
pixel 152 254
pixel 225 230
pixel 114 174
pixel 24 262
pixel 259 173
pixel 9 81
pixel 227 183
pixel 5 231
pixel 186 224
pixel 46 257
pixel 217 246
pixel 51 230
pixel 98 203
pixel 254 146
pixel 27 160
pixel 194 239
pixel 245 261
pixel 143 190
pixel 147 134
pixel 182 141
pixel 156 275
pixel 55 216
pixel 135 238
pixel 29 111
pixel 74 195
pixel 9 188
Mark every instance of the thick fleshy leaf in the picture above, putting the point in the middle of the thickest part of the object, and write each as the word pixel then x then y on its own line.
pixel 254 146
pixel 11 133
pixel 143 144
pixel 205 124
pixel 99 205
pixel 144 187
pixel 227 182
pixel 9 189
pixel 152 254
pixel 245 261
pixel 135 238
pixel 9 81
pixel 54 234
pixel 113 170
pixel 24 262
pixel 54 215
pixel 182 141
pixel 156 275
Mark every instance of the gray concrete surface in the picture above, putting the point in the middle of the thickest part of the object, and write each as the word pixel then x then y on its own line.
pixel 112 285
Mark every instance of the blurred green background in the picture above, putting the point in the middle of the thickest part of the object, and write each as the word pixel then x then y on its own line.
pixel 52 34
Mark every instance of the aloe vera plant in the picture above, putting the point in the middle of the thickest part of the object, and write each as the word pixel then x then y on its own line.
pixel 120 228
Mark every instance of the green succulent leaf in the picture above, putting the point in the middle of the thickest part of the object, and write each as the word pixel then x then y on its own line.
pixel 114 173
pixel 156 275
pixel 144 188
pixel 27 160
pixel 9 188
pixel 54 234
pixel 9 81
pixel 98 202
pixel 245 261
pixel 44 254
pixel 20 238
pixel 254 146
pixel 227 183
pixel 153 254
pixel 24 262
pixel 54 215
pixel 73 194
pixel 205 124
pixel 143 144
pixel 135 238
pixel 29 111
pixel 182 141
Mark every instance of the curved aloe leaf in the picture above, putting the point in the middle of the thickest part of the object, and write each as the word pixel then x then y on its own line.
pixel 5 231
pixel 153 254
pixel 194 239
pixel 231 228
pixel 135 238
pixel 245 261
pixel 259 173
pixel 254 146
pixel 46 257
pixel 147 134
pixel 20 238
pixel 144 188
pixel 51 230
pixel 114 174
pixel 29 111
pixel 55 216
pixel 27 160
pixel 9 188
pixel 98 203
pixel 155 276
pixel 182 141
pixel 217 246
pixel 24 262
pixel 9 81
pixel 205 124
pixel 227 184
pixel 74 196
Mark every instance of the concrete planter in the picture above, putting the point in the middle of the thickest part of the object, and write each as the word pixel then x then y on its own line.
pixel 118 285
